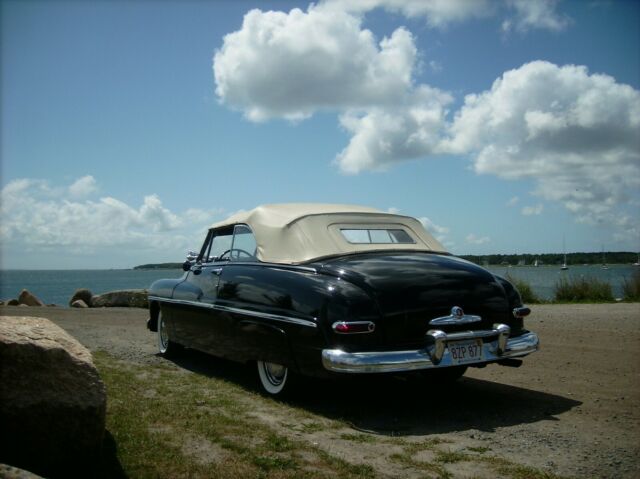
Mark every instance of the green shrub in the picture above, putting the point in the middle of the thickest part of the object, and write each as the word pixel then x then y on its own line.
pixel 584 289
pixel 631 287
pixel 524 288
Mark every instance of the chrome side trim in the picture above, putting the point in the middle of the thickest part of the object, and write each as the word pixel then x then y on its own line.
pixel 398 361
pixel 181 301
pixel 246 312
pixel 258 314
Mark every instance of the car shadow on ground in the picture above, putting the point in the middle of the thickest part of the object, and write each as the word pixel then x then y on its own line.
pixel 402 404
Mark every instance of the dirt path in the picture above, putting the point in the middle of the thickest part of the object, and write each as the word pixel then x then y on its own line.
pixel 573 408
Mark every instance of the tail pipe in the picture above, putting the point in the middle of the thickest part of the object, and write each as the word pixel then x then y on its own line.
pixel 510 362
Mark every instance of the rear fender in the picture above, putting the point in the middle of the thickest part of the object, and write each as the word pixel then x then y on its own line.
pixel 264 342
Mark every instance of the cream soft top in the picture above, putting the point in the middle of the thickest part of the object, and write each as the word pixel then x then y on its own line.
pixel 294 233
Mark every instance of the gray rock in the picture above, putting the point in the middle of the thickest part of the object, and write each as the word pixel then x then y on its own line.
pixel 10 472
pixel 13 302
pixel 131 298
pixel 78 303
pixel 29 299
pixel 52 400
pixel 83 294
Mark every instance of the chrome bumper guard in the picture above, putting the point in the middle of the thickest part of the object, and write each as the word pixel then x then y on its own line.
pixel 435 354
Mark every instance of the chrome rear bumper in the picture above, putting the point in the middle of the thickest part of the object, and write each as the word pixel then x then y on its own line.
pixel 435 355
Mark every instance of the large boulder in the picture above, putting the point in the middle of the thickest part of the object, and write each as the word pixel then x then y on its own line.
pixel 29 299
pixel 52 400
pixel 10 472
pixel 82 294
pixel 130 298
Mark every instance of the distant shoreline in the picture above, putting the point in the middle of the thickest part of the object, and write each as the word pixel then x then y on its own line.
pixel 610 258
pixel 159 266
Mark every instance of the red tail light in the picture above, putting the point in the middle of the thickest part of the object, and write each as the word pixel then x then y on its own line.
pixel 353 327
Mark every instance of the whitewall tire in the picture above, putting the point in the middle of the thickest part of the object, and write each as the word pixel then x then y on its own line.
pixel 273 377
pixel 166 347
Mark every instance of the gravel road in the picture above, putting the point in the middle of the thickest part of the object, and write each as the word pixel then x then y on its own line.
pixel 573 408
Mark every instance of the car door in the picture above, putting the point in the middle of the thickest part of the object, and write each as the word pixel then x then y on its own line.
pixel 196 326
pixel 218 331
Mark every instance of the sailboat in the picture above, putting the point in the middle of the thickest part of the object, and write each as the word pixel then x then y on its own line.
pixel 604 260
pixel 564 251
pixel 637 263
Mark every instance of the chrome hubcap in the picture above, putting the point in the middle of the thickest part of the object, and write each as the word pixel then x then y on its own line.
pixel 164 336
pixel 275 373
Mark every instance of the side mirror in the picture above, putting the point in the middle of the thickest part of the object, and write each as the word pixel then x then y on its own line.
pixel 192 256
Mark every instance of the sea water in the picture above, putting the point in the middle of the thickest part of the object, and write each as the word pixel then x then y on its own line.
pixel 543 279
pixel 57 286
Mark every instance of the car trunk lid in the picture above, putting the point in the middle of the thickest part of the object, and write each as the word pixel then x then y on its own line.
pixel 411 289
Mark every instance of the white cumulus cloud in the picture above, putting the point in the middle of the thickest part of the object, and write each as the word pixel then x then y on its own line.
pixel 384 136
pixel 477 240
pixel 83 187
pixel 532 210
pixel 441 233
pixel 530 14
pixel 437 13
pixel 36 215
pixel 574 133
pixel 521 15
pixel 289 65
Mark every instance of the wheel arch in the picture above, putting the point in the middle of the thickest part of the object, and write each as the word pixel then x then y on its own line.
pixel 270 343
pixel 154 311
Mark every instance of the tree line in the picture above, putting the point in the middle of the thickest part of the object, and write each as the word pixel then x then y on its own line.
pixel 611 257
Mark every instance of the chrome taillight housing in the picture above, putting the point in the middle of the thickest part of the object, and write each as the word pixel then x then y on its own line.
pixel 353 327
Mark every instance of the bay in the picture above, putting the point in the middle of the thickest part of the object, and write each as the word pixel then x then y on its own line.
pixel 543 279
pixel 57 286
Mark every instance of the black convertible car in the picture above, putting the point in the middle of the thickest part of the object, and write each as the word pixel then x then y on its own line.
pixel 327 290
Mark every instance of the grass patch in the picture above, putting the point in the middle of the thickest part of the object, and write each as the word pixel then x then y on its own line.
pixel 311 427
pixel 516 471
pixel 631 287
pixel 166 422
pixel 524 288
pixel 451 457
pixel 479 449
pixel 196 426
pixel 582 290
pixel 361 438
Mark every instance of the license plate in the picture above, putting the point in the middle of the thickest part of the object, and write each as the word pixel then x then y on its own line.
pixel 463 352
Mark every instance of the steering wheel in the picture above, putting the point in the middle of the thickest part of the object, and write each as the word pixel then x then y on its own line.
pixel 237 251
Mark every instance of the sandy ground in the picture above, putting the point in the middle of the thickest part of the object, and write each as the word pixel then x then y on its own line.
pixel 573 408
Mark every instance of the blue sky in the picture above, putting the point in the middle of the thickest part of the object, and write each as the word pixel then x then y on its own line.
pixel 128 127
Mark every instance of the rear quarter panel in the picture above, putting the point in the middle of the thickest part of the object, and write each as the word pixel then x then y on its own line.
pixel 302 305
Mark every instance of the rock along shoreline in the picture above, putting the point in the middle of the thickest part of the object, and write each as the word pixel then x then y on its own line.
pixel 84 298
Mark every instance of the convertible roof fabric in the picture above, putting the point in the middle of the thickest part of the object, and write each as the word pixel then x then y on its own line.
pixel 295 233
